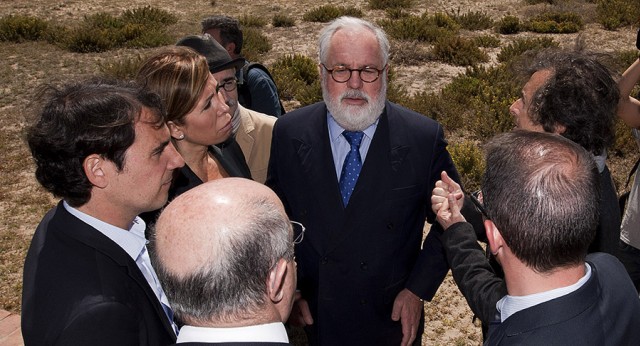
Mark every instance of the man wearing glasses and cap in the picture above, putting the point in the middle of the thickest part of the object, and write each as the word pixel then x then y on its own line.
pixel 250 140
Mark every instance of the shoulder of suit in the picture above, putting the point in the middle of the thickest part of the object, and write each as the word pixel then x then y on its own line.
pixel 394 109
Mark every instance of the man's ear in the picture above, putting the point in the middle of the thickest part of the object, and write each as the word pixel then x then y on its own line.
pixel 559 129
pixel 275 281
pixel 230 47
pixel 496 242
pixel 94 167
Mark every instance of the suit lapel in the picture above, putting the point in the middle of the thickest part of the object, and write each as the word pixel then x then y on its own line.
pixel 75 228
pixel 313 150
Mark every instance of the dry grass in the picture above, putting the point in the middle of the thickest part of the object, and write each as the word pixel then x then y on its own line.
pixel 28 65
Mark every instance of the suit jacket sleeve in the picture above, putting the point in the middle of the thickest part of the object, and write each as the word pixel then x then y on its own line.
pixel 431 267
pixel 118 325
pixel 272 172
pixel 471 270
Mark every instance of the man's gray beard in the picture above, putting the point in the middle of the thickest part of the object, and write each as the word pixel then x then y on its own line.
pixel 355 118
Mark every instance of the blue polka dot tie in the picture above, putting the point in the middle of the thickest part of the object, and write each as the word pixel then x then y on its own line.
pixel 351 166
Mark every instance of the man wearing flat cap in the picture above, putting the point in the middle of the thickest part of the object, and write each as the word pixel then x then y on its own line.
pixel 251 133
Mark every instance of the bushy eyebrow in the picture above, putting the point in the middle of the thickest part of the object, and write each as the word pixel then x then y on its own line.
pixel 160 148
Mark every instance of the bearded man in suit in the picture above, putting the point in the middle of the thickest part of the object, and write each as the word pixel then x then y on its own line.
pixel 358 171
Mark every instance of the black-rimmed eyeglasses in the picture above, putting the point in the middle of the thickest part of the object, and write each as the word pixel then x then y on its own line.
pixel 341 74
pixel 227 85
pixel 476 198
pixel 298 232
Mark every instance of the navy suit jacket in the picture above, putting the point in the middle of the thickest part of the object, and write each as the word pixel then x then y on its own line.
pixel 604 311
pixel 354 261
pixel 81 288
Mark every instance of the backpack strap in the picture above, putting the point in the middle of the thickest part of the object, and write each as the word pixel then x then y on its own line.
pixel 245 87
pixel 633 170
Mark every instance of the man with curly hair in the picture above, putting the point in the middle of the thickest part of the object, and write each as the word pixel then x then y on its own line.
pixel 571 94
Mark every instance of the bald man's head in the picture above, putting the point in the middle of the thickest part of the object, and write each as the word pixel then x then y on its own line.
pixel 215 245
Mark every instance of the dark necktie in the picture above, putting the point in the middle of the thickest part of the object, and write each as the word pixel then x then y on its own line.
pixel 351 166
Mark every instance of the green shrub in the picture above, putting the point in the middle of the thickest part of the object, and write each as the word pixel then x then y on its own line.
pixel 443 20
pixel 522 45
pixel 386 4
pixel 149 16
pixel 327 13
pixel 420 28
pixel 556 23
pixel 396 13
pixel 125 68
pixel 19 28
pixel 619 61
pixel 495 89
pixel 469 162
pixel 255 44
pixel 395 91
pixel 473 20
pixel 476 102
pixel 439 107
pixel 283 21
pixel 459 51
pixel 409 53
pixel 138 28
pixel 249 21
pixel 487 41
pixel 613 14
pixel 297 78
pixel 624 143
pixel 509 25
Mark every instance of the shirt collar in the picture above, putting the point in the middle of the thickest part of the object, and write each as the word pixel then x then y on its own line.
pixel 509 305
pixel 270 332
pixel 335 130
pixel 131 240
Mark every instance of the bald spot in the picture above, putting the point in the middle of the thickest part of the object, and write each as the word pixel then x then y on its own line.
pixel 192 228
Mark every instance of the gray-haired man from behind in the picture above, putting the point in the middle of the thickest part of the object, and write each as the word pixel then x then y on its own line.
pixel 224 253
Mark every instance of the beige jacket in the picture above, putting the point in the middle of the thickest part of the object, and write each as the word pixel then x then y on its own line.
pixel 254 138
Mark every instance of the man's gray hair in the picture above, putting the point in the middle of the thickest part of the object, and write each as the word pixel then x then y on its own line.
pixel 232 284
pixel 351 22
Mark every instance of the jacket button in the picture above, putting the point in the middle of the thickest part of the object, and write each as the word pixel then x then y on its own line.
pixel 363 265
pixel 390 225
pixel 324 260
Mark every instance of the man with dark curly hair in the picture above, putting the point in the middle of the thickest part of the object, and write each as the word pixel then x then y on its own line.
pixel 540 203
pixel 103 147
pixel 571 94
